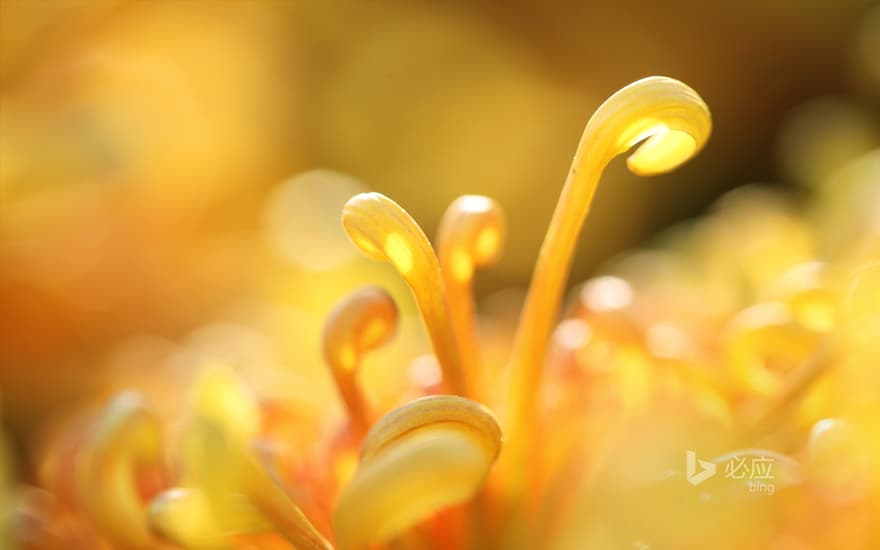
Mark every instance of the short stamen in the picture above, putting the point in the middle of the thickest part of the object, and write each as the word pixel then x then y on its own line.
pixel 361 322
pixel 471 236
pixel 385 231
pixel 675 123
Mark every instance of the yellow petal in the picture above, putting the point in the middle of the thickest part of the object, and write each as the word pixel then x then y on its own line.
pixel 127 435
pixel 226 489
pixel 188 518
pixel 429 454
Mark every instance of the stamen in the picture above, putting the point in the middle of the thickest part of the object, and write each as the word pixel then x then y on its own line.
pixel 471 236
pixel 226 489
pixel 361 322
pixel 127 436
pixel 675 124
pixel 426 455
pixel 384 231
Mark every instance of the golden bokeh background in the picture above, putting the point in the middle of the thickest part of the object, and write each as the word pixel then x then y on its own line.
pixel 165 164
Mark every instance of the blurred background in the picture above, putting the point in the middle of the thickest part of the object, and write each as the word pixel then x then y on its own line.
pixel 173 171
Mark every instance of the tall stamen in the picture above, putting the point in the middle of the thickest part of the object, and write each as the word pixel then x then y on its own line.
pixel 361 322
pixel 385 231
pixel 674 123
pixel 471 236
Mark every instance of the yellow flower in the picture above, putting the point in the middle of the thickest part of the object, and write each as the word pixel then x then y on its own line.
pixel 735 339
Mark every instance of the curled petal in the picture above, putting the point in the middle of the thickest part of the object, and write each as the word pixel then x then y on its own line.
pixel 471 235
pixel 384 231
pixel 429 411
pixel 429 454
pixel 126 438
pixel 361 322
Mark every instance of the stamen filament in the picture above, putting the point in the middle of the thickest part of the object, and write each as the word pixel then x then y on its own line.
pixel 361 322
pixel 675 123
pixel 471 236
pixel 384 231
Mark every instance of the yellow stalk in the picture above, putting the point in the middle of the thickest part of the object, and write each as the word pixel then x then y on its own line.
pixel 672 123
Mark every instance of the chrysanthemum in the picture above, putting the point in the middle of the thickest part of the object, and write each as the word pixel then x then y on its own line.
pixel 740 339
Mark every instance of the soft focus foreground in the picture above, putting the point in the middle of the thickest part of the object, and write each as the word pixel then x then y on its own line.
pixel 715 390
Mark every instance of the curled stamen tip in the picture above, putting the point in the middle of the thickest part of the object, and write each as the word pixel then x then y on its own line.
pixel 358 212
pixel 662 152
pixel 363 321
pixel 431 453
pixel 381 229
pixel 669 120
pixel 471 235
